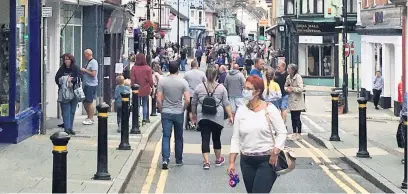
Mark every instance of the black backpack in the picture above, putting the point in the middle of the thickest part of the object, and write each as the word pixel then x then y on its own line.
pixel 209 104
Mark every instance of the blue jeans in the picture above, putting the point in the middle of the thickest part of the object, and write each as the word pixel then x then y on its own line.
pixel 68 113
pixel 144 102
pixel 168 121
pixel 183 63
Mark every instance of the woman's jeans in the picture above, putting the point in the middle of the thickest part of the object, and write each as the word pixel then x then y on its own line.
pixel 144 102
pixel 259 176
pixel 210 129
pixel 296 123
pixel 168 122
pixel 68 113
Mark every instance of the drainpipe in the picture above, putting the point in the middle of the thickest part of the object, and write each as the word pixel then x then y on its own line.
pixel 404 43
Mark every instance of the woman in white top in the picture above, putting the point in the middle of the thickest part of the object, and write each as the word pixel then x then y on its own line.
pixel 252 138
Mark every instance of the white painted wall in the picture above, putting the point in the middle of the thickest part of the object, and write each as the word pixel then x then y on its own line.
pixel 391 60
pixel 172 36
pixel 5 12
pixel 248 19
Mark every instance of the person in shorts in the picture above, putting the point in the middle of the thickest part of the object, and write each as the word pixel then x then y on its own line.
pixel 280 78
pixel 234 83
pixel 90 81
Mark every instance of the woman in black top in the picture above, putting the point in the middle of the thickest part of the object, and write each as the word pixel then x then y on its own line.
pixel 68 68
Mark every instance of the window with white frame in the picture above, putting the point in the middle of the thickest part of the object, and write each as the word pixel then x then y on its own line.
pixel 192 17
pixel 352 6
pixel 316 60
pixel 72 33
pixel 312 6
pixel 200 17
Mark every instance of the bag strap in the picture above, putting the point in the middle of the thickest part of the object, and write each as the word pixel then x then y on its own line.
pixel 269 121
pixel 214 89
pixel 206 89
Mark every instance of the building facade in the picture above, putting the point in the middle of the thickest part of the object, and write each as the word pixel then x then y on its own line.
pixel 311 37
pixel 210 21
pixel 381 39
pixel 20 74
pixel 247 16
pixel 197 21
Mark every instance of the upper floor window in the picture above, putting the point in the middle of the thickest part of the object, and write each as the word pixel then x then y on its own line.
pixel 219 24
pixel 312 6
pixel 289 7
pixel 200 17
pixel 192 20
pixel 352 6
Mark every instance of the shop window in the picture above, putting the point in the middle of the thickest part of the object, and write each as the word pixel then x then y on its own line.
pixel 4 58
pixel 22 66
pixel 319 60
pixel 72 33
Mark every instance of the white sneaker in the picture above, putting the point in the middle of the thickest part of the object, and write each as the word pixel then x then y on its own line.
pixel 88 122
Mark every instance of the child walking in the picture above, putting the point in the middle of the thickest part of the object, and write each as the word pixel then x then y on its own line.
pixel 120 88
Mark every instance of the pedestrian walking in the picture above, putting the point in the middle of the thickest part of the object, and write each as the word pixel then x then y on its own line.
pixel 272 91
pixel 142 75
pixel 378 84
pixel 259 66
pixel 280 78
pixel 68 77
pixel 222 74
pixel 254 139
pixel 210 99
pixel 234 83
pixel 294 88
pixel 170 93
pixel 194 77
pixel 198 55
pixel 403 113
pixel 90 77
pixel 248 64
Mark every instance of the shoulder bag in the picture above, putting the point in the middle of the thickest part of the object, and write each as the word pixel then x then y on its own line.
pixel 286 157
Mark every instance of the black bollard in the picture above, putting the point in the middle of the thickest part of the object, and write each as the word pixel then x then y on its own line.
pixel 154 109
pixel 124 133
pixel 404 182
pixel 102 163
pixel 135 110
pixel 362 128
pixel 59 167
pixel 335 117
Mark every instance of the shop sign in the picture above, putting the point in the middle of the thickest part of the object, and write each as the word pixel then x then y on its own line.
pixel 20 11
pixel 263 22
pixel 307 27
pixel 115 2
pixel 310 39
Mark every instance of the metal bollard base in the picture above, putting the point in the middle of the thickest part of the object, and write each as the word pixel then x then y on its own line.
pixel 363 154
pixel 404 185
pixel 102 176
pixel 153 114
pixel 334 138
pixel 124 146
pixel 135 131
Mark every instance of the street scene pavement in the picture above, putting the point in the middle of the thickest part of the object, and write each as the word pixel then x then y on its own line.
pixel 27 167
pixel 318 170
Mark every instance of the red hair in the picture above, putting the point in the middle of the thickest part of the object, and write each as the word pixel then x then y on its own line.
pixel 258 84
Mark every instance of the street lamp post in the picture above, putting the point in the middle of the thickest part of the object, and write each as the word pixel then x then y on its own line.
pixel 345 75
pixel 178 26
pixel 149 35
pixel 160 21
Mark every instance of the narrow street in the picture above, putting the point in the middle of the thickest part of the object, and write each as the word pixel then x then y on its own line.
pixel 318 170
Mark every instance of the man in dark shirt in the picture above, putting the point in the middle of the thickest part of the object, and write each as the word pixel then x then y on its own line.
pixel 280 78
pixel 183 58
pixel 248 64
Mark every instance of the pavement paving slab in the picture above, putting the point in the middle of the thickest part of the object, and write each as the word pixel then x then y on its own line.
pixel 384 167
pixel 30 162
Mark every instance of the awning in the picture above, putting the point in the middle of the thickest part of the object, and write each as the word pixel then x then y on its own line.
pixel 271 28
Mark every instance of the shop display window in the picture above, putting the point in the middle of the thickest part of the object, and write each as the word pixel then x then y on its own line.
pixel 22 56
pixel 4 59
pixel 319 60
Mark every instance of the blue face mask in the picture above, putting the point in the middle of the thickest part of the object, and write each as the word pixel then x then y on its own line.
pixel 248 94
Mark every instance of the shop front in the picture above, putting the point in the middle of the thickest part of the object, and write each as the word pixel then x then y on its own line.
pixel 20 52
pixel 313 50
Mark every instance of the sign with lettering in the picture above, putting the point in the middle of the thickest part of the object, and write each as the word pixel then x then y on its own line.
pixel 310 28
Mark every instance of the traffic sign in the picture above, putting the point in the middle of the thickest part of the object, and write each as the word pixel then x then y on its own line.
pixel 352 48
pixel 346 50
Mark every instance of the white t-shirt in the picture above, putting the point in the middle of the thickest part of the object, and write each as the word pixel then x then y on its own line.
pixel 251 132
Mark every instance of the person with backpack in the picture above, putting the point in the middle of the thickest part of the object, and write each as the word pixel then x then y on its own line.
pixel 210 99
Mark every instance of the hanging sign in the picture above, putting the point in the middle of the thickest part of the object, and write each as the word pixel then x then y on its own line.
pixel 46 12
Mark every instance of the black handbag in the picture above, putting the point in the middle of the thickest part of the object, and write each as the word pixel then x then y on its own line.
pixel 401 135
pixel 286 158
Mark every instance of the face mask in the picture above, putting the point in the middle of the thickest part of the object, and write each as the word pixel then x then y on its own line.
pixel 247 94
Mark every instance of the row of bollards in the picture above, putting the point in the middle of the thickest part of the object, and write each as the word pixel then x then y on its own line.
pixel 60 140
pixel 362 130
